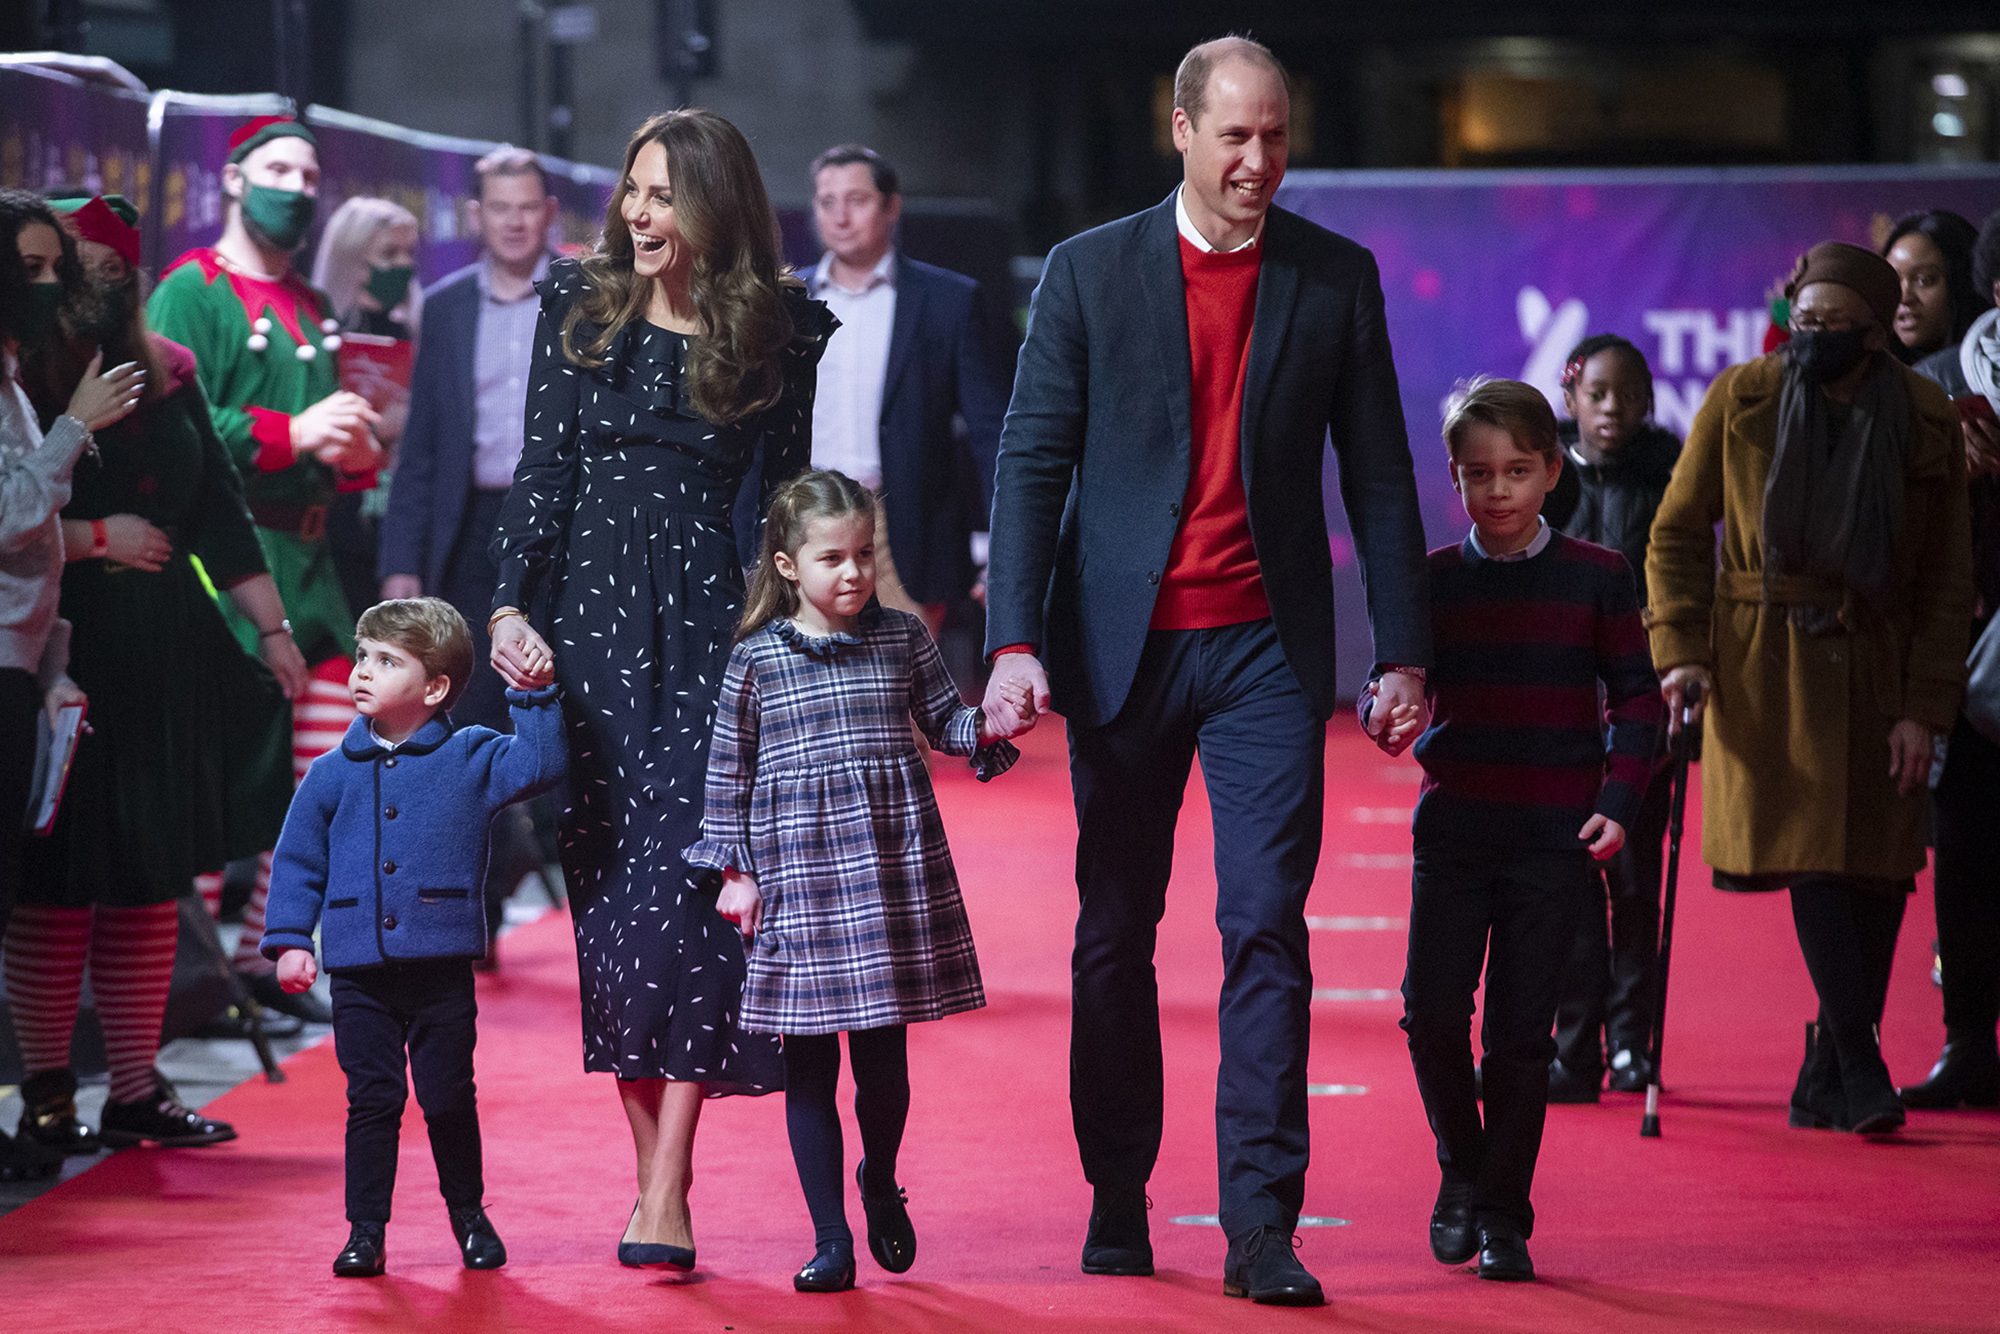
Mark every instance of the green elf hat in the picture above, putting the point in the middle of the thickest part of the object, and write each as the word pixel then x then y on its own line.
pixel 108 219
pixel 254 134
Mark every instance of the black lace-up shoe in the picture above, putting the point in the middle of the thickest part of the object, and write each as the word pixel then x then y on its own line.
pixel 1454 1239
pixel 48 1114
pixel 478 1244
pixel 162 1119
pixel 1118 1242
pixel 1262 1267
pixel 892 1238
pixel 365 1255
pixel 1503 1254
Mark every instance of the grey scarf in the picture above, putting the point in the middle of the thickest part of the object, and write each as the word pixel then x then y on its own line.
pixel 1833 507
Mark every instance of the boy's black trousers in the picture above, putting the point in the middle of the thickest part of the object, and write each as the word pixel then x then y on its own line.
pixel 426 1009
pixel 1515 910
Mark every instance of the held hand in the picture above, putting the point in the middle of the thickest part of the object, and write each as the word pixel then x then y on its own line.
pixel 1910 755
pixel 130 540
pixel 1400 712
pixel 521 656
pixel 1674 685
pixel 61 694
pixel 740 902
pixel 282 656
pixel 101 400
pixel 1021 696
pixel 1017 679
pixel 1604 836
pixel 297 971
pixel 398 586
pixel 331 424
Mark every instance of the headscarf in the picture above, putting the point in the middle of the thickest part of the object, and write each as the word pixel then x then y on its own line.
pixel 1861 271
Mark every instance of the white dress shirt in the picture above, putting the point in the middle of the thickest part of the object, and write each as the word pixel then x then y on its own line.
pixel 502 348
pixel 1192 234
pixel 847 407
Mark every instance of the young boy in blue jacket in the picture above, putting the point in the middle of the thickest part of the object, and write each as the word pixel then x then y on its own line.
pixel 385 850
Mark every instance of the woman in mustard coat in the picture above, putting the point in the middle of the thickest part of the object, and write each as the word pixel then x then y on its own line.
pixel 1829 640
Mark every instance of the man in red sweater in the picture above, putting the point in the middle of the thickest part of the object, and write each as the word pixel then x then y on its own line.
pixel 1159 540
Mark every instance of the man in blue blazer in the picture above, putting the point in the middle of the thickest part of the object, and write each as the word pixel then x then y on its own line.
pixel 907 368
pixel 468 394
pixel 1159 541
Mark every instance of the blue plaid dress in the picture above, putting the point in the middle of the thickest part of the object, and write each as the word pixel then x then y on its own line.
pixel 816 788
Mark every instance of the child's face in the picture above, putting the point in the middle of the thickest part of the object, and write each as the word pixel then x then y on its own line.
pixel 1502 485
pixel 388 684
pixel 834 567
pixel 1610 400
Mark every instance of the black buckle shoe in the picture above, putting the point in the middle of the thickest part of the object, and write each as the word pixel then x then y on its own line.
pixel 478 1244
pixel 1262 1267
pixel 48 1115
pixel 162 1119
pixel 300 1005
pixel 830 1270
pixel 366 1254
pixel 1503 1254
pixel 1118 1242
pixel 892 1238
pixel 1454 1239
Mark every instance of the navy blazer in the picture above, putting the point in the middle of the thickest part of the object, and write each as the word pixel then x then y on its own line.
pixel 391 845
pixel 1095 453
pixel 938 490
pixel 434 463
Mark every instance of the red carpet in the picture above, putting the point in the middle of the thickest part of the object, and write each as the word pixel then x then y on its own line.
pixel 1730 1222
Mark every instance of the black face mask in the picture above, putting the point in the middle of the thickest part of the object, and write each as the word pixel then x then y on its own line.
pixel 1826 354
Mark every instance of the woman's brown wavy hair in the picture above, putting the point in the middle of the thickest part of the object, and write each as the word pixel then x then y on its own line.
pixel 735 369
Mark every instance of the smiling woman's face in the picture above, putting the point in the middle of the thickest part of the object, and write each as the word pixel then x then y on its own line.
pixel 657 244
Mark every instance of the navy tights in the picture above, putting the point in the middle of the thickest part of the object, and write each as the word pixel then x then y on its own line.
pixel 880 1060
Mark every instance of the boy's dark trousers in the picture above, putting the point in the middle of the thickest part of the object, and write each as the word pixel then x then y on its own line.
pixel 426 1008
pixel 1608 991
pixel 1515 909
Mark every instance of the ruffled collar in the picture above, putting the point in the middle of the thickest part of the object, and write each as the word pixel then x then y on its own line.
pixel 825 646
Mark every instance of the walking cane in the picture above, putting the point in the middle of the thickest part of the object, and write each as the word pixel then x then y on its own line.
pixel 1649 1125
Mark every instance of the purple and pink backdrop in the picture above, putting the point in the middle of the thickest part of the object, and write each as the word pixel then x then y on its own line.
pixel 1502 272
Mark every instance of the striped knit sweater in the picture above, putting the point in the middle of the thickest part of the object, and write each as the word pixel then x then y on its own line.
pixel 1545 705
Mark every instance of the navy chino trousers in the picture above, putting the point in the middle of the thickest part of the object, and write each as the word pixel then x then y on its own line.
pixel 1229 695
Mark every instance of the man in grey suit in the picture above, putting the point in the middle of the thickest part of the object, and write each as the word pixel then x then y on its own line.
pixel 1159 541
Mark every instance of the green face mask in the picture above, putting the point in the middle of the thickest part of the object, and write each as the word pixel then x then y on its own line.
pixel 390 286
pixel 283 216
pixel 39 320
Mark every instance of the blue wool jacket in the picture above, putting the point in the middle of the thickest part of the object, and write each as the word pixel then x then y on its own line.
pixel 392 843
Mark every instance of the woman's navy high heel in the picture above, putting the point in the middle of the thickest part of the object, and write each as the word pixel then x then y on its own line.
pixel 652 1255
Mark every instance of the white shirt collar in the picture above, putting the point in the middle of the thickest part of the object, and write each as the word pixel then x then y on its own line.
pixel 381 740
pixel 883 274
pixel 1192 234
pixel 1543 536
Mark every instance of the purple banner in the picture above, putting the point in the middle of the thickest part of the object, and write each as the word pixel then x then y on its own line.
pixel 1502 272
pixel 57 130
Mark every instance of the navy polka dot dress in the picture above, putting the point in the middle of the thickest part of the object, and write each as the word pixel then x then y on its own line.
pixel 617 534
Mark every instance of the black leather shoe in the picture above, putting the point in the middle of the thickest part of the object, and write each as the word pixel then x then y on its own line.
pixel 1503 1254
pixel 48 1114
pixel 830 1270
pixel 366 1253
pixel 892 1238
pixel 301 1005
pixel 1566 1085
pixel 1262 1267
pixel 1630 1071
pixel 1118 1242
pixel 478 1244
pixel 1454 1239
pixel 24 1160
pixel 1967 1072
pixel 162 1119
pixel 651 1254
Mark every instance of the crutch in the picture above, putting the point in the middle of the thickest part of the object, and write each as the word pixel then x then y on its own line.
pixel 1683 745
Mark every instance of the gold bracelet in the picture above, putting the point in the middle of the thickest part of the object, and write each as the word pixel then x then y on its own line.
pixel 502 615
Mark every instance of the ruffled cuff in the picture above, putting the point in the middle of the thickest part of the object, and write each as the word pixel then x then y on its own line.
pixel 716 855
pixel 273 433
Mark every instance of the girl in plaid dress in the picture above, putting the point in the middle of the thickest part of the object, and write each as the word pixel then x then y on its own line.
pixel 821 820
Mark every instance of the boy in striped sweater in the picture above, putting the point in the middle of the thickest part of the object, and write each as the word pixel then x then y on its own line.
pixel 1546 718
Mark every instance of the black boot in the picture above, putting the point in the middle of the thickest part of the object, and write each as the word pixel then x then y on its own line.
pixel 366 1253
pixel 48 1114
pixel 1118 1242
pixel 1818 1102
pixel 1872 1105
pixel 162 1119
pixel 478 1244
pixel 1967 1071
pixel 1263 1267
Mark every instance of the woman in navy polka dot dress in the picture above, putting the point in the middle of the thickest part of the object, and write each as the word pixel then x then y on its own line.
pixel 666 364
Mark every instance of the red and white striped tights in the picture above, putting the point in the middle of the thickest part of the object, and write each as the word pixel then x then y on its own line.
pixel 131 957
pixel 320 718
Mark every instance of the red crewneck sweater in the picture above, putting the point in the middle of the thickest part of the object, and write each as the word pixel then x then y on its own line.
pixel 1212 577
